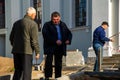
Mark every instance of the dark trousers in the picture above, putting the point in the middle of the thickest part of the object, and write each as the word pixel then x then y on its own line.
pixel 23 66
pixel 58 65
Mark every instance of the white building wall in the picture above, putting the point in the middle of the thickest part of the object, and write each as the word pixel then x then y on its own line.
pixel 68 12
pixel 49 6
pixel 14 10
pixel 115 22
pixel 64 7
pixel 114 25
pixel 99 12
pixel 119 23
pixel 98 9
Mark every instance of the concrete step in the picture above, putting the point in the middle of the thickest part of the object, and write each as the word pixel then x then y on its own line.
pixel 110 66
pixel 110 58
pixel 113 61
pixel 92 76
pixel 116 55
pixel 110 63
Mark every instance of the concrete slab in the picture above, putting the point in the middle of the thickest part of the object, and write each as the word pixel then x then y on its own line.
pixel 92 76
pixel 74 76
pixel 74 58
pixel 6 77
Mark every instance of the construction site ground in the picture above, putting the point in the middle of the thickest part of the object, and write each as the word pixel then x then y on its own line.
pixel 7 68
pixel 67 70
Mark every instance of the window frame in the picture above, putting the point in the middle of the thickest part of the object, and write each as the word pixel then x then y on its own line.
pixel 80 14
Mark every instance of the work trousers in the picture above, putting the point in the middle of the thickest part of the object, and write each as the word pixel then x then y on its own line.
pixel 23 66
pixel 57 64
pixel 99 56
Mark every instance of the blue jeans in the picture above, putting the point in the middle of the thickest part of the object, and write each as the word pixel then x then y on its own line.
pixel 99 55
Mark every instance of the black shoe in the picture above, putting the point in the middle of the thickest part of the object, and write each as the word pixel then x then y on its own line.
pixel 41 78
pixel 47 79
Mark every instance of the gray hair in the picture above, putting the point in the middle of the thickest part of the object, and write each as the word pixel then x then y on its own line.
pixel 31 10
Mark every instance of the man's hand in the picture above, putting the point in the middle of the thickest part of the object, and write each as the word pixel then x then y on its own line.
pixel 59 42
pixel 111 40
pixel 67 42
pixel 37 56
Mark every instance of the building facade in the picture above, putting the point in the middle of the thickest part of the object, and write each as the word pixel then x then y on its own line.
pixel 81 16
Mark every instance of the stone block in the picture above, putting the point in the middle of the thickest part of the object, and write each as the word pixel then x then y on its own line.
pixel 6 77
pixel 73 58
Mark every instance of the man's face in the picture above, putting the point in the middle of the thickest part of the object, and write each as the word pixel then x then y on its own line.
pixel 105 26
pixel 33 15
pixel 56 20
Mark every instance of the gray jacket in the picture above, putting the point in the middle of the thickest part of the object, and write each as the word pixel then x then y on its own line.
pixel 24 36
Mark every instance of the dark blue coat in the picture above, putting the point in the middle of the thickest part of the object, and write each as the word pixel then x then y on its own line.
pixel 50 37
pixel 99 36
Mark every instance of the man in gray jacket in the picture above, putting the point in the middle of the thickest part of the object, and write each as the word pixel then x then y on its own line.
pixel 24 40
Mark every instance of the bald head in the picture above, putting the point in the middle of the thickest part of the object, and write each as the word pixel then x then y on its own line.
pixel 31 12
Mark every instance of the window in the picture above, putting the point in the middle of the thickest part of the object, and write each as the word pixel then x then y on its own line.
pixel 80 13
pixel 37 6
pixel 2 14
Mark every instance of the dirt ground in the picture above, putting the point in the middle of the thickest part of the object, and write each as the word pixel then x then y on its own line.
pixel 6 65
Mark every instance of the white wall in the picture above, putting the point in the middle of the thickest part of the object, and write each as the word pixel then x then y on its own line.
pixel 14 10
pixel 115 21
pixel 99 12
pixel 64 7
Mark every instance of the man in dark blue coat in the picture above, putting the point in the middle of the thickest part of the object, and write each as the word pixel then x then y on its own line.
pixel 56 36
pixel 99 39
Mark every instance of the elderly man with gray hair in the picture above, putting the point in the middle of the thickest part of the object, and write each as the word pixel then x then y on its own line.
pixel 24 41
